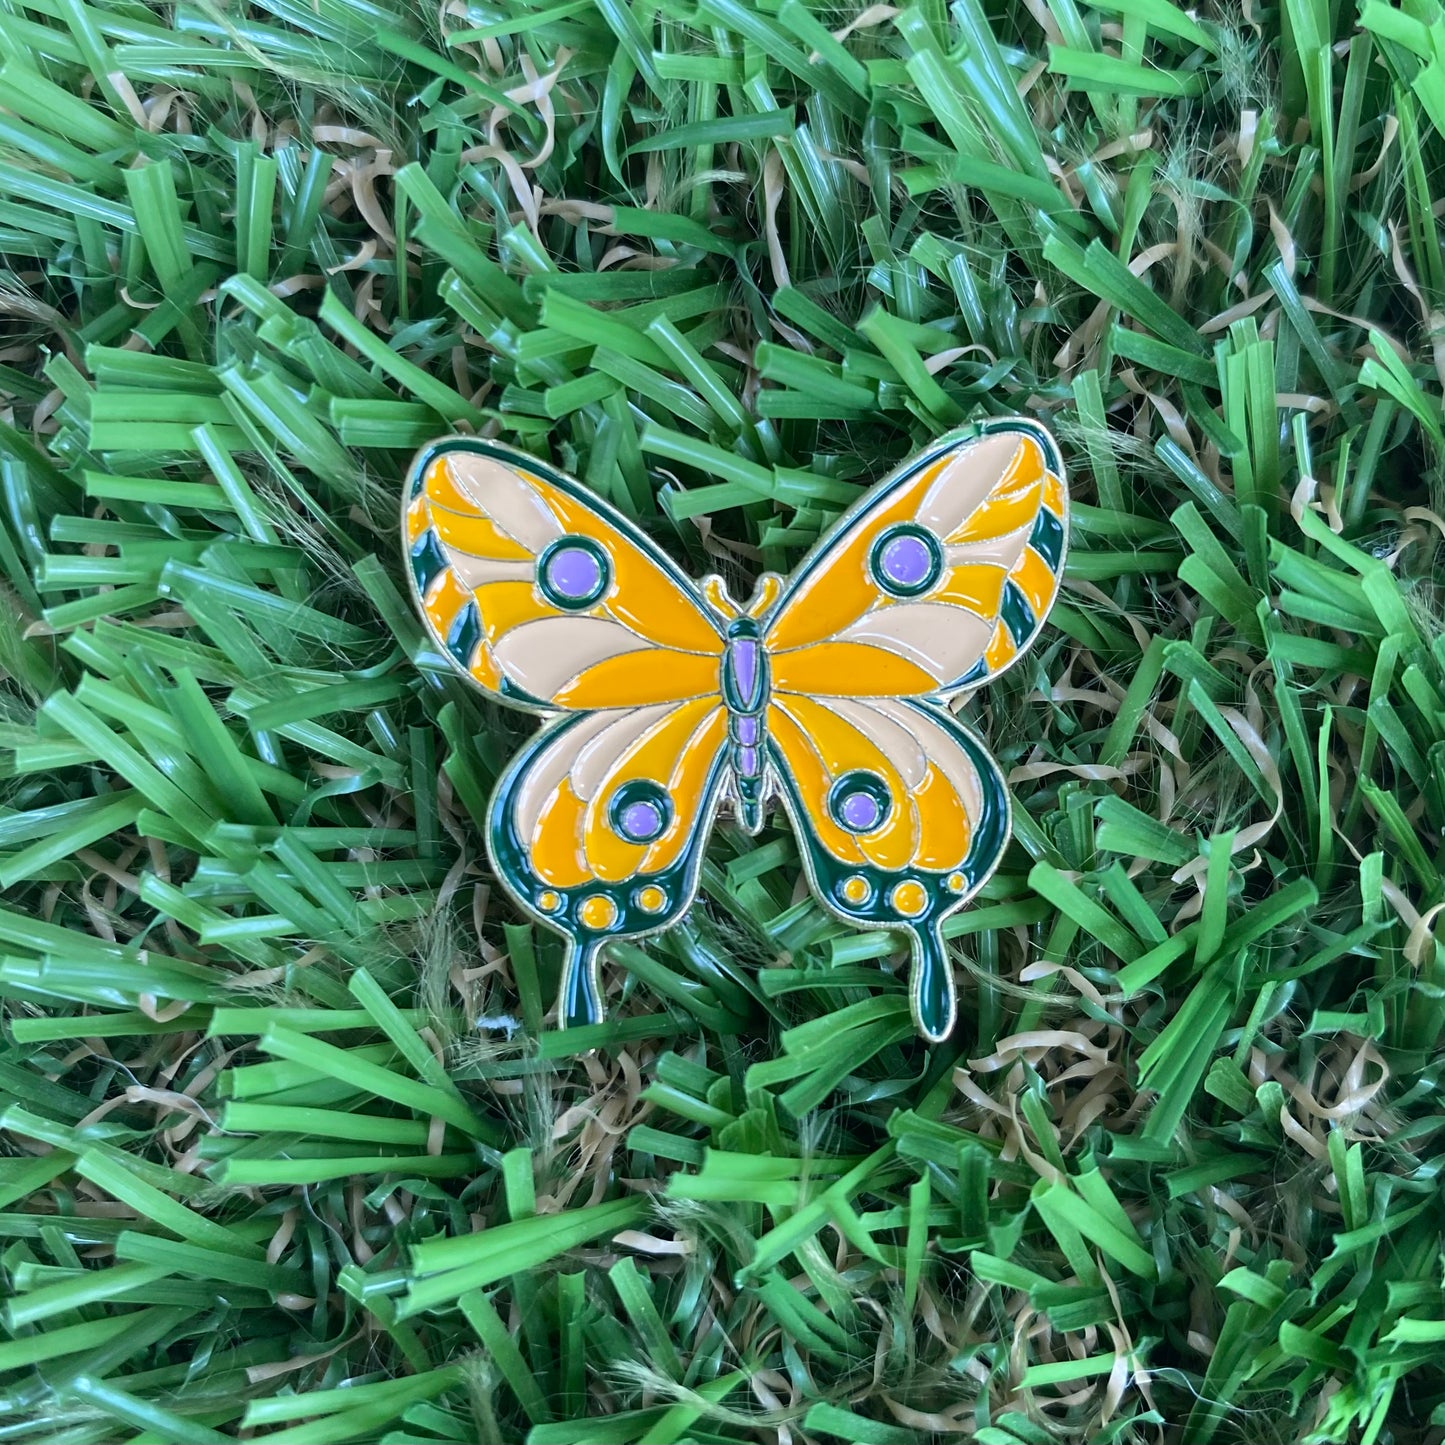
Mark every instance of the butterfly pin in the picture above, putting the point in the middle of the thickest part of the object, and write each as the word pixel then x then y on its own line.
pixel 668 703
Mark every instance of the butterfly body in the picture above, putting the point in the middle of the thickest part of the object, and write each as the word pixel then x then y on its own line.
pixel 745 691
pixel 668 703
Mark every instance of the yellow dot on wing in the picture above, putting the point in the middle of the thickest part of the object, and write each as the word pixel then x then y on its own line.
pixel 855 889
pixel 548 901
pixel 909 898
pixel 598 912
pixel 957 882
pixel 650 899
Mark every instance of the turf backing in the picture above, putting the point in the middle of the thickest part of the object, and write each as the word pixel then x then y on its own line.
pixel 292 1150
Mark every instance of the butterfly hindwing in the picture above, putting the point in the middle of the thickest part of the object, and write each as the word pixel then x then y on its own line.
pixel 598 827
pixel 901 816
pixel 543 594
pixel 938 581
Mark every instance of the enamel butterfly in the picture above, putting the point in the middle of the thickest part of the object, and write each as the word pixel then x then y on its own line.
pixel 667 702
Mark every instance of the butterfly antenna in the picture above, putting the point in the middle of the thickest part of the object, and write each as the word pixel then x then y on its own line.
pixel 581 989
pixel 935 1006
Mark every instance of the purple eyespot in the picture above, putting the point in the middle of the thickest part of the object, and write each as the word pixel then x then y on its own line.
pixel 905 560
pixel 860 801
pixel 640 811
pixel 573 573
pixel 861 811
pixel 641 820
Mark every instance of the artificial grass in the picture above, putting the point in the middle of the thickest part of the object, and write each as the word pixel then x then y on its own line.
pixel 292 1148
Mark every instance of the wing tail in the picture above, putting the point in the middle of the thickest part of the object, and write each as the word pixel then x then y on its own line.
pixel 580 1000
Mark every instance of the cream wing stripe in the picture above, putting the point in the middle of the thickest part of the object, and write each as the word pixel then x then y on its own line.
pixel 896 742
pixel 600 758
pixel 942 639
pixel 550 771
pixel 966 482
pixel 506 499
pixel 542 656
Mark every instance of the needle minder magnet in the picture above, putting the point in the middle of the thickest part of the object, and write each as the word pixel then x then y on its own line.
pixel 666 703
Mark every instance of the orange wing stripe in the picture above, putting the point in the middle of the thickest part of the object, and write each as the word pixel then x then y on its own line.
pixel 445 494
pixel 1036 579
pixel 1001 650
pixel 978 587
pixel 634 679
pixel 945 831
pixel 476 536
pixel 555 846
pixel 850 669
pixel 689 777
pixel 443 605
pixel 505 605
pixel 1053 494
pixel 1014 502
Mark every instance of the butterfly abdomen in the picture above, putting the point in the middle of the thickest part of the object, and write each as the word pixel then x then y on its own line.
pixel 745 691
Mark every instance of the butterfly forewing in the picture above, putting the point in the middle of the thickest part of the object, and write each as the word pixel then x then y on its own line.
pixel 543 594
pixel 938 581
